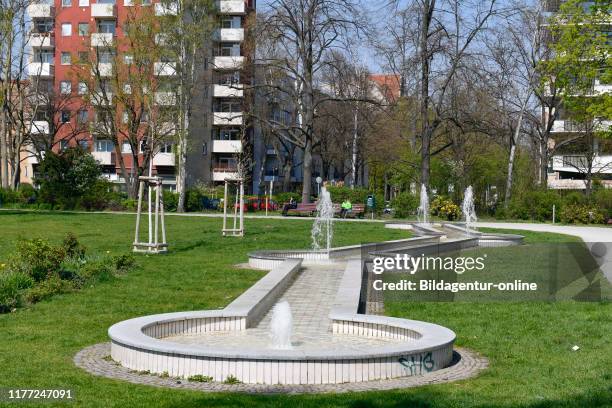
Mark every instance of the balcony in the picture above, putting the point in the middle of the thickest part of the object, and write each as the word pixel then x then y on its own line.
pixel 103 10
pixel 225 173
pixel 42 40
pixel 98 99
pixel 163 159
pixel 164 68
pixel 41 11
pixel 166 9
pixel 165 98
pixel 228 91
pixel 105 69
pixel 227 118
pixel 39 127
pixel 230 34
pixel 228 62
pixel 104 158
pixel 227 146
pixel 43 69
pixel 102 39
pixel 231 6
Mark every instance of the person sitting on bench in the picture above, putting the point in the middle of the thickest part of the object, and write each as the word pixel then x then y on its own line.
pixel 290 205
pixel 346 208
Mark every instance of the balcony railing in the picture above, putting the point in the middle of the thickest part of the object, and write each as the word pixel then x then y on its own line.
pixel 231 6
pixel 227 146
pixel 43 69
pixel 102 39
pixel 39 127
pixel 166 9
pixel 42 40
pixel 230 34
pixel 41 10
pixel 103 10
pixel 228 91
pixel 228 62
pixel 227 118
pixel 164 68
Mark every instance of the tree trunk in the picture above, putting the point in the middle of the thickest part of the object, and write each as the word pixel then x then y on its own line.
pixel 307 172
pixel 513 142
pixel 287 174
pixel 354 151
pixel 544 163
pixel 181 176
pixel 426 130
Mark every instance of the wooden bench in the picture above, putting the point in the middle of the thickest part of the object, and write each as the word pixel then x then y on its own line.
pixel 303 209
pixel 357 211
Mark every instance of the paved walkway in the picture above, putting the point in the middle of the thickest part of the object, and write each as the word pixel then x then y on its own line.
pixel 597 239
pixel 310 297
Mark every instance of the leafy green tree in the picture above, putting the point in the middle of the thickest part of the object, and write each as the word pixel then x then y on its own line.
pixel 65 177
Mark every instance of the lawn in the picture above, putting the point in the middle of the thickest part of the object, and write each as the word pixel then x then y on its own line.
pixel 528 344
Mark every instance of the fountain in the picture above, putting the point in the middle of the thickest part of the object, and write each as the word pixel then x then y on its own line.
pixel 281 326
pixel 322 228
pixel 468 210
pixel 423 210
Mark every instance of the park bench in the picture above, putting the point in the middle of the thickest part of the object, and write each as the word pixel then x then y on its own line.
pixel 357 211
pixel 303 209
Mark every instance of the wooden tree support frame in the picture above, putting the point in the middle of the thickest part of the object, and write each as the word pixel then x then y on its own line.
pixel 238 215
pixel 153 246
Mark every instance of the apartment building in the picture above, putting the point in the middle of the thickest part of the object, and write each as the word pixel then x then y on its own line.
pixel 64 32
pixel 571 162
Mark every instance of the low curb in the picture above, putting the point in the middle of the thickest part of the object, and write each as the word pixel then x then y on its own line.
pixel 96 360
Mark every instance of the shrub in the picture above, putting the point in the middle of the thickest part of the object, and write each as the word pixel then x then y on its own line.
pixel 36 258
pixel 282 198
pixel 194 200
pixel 200 378
pixel 130 204
pixel 11 286
pixel 450 211
pixel 95 270
pixel 124 263
pixel 534 205
pixel 575 198
pixel 436 204
pixel 170 200
pixel 72 246
pixel 602 199
pixel 581 214
pixel 47 288
pixel 404 204
pixel 231 380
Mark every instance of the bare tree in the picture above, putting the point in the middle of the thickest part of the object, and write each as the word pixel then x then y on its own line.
pixel 299 34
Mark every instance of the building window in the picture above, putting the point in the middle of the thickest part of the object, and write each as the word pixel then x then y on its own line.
pixel 82 88
pixel 146 2
pixel 204 149
pixel 83 29
pixel 230 22
pixel 106 26
pixel 103 145
pixel 65 116
pixel 82 117
pixel 66 29
pixel 127 89
pixel 126 148
pixel 128 59
pixel 125 117
pixel 83 3
pixel 83 57
pixel 105 57
pixel 65 87
pixel 63 145
pixel 44 56
pixel 228 134
pixel 165 148
pixel 84 144
pixel 66 3
pixel 44 26
pixel 65 58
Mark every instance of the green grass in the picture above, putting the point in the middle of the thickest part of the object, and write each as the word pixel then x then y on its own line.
pixel 528 344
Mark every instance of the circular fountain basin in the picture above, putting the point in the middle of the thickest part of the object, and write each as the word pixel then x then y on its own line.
pixel 348 347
